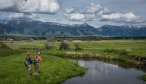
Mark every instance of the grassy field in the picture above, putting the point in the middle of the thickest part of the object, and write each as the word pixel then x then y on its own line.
pixel 55 69
pixel 110 49
pixel 103 48
pixel 52 70
pixel 100 48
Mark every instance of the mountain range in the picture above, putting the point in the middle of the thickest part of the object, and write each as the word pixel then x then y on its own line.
pixel 39 28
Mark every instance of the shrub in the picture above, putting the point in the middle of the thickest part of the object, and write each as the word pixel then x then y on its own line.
pixel 144 77
pixel 49 43
pixel 123 52
pixel 64 46
pixel 116 51
pixel 77 48
pixel 48 46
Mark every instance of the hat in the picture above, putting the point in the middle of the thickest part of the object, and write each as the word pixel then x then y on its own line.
pixel 39 52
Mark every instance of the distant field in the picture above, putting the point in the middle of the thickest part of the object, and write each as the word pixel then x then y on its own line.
pixel 133 47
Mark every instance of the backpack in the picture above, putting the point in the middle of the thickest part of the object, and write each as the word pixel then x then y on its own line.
pixel 28 61
pixel 38 58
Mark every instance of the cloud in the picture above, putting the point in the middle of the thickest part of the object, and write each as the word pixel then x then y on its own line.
pixel 120 17
pixel 90 17
pixel 31 6
pixel 93 8
pixel 16 15
pixel 130 16
pixel 69 10
pixel 6 4
pixel 104 14
pixel 75 16
pixel 104 11
pixel 91 12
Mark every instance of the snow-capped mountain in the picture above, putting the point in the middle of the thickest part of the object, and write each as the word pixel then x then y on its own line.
pixel 38 28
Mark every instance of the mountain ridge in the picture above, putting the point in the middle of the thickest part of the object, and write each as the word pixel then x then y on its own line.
pixel 38 28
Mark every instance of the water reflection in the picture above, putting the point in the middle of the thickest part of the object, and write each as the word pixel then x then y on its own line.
pixel 104 73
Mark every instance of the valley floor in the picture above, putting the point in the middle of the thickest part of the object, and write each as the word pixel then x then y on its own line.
pixel 54 68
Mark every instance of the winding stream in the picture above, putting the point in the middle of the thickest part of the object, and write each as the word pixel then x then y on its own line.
pixel 99 72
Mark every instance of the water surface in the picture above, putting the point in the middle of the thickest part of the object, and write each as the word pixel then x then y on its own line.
pixel 99 72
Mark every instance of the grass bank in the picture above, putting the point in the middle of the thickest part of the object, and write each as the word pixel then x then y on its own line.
pixel 144 77
pixel 53 70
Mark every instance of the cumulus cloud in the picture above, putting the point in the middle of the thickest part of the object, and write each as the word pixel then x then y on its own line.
pixel 93 8
pixel 75 16
pixel 130 16
pixel 92 11
pixel 97 11
pixel 104 11
pixel 41 6
pixel 28 6
pixel 127 17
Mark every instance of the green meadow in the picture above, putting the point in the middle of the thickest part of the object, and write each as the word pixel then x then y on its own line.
pixel 100 48
pixel 53 70
pixel 56 68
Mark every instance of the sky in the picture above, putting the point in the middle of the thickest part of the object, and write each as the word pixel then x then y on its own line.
pixel 93 12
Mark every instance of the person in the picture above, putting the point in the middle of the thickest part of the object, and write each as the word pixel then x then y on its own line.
pixel 28 63
pixel 36 61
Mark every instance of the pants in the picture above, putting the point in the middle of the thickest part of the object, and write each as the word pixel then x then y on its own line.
pixel 36 68
pixel 28 70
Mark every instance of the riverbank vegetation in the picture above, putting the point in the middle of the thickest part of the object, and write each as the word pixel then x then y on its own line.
pixel 127 50
pixel 144 77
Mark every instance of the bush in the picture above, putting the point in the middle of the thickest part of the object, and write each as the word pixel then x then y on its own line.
pixel 64 46
pixel 49 43
pixel 144 77
pixel 77 48
pixel 116 51
pixel 48 46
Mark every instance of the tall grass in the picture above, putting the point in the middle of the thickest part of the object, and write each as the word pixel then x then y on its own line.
pixel 6 51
